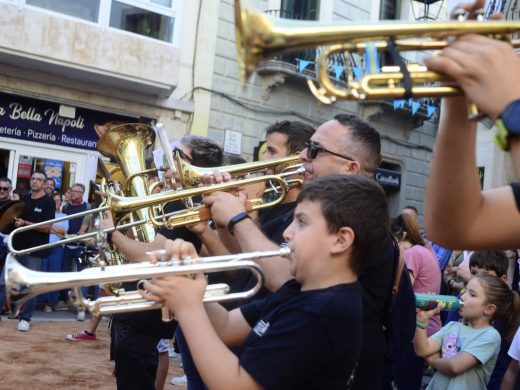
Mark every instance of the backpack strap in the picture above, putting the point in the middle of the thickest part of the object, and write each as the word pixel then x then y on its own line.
pixel 398 273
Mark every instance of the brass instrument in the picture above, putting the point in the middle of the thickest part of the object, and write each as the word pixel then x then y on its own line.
pixel 23 284
pixel 126 144
pixel 191 176
pixel 260 37
pixel 121 205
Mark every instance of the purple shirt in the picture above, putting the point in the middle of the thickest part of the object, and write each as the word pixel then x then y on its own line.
pixel 424 267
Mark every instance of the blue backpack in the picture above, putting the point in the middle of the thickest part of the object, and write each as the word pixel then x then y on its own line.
pixel 400 318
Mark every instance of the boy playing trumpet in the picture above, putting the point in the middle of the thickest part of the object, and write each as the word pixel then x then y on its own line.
pixel 308 333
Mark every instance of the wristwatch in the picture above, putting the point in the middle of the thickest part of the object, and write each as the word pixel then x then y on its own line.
pixel 508 125
pixel 236 219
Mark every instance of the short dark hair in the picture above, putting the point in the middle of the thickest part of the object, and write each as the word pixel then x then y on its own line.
pixel 232 159
pixel 41 173
pixel 354 201
pixel 205 152
pixel 5 178
pixel 494 260
pixel 366 139
pixel 297 134
pixel 51 178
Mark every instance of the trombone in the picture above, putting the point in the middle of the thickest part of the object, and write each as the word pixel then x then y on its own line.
pixel 120 206
pixel 23 284
pixel 260 37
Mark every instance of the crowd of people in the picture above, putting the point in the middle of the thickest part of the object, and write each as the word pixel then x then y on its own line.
pixel 321 320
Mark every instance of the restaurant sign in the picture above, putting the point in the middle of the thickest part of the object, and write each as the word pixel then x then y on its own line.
pixel 40 121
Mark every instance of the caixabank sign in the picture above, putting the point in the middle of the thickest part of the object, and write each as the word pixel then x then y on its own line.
pixel 388 179
pixel 40 121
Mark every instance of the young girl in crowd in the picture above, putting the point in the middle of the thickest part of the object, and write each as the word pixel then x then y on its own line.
pixel 464 353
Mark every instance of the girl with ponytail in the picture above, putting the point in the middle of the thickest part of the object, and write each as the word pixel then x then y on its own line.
pixel 464 353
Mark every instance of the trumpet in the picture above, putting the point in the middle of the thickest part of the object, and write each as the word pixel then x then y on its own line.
pixel 260 37
pixel 23 284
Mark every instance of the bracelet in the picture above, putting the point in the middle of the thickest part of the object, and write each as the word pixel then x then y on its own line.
pixel 421 325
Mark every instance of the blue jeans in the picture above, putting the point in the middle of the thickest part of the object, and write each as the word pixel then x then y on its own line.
pixel 70 263
pixel 192 375
pixel 35 264
pixel 52 263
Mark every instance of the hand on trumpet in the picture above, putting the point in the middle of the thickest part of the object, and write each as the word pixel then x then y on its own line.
pixel 178 293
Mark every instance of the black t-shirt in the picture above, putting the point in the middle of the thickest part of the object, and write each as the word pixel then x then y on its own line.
pixel 303 339
pixel 150 322
pixel 376 279
pixel 38 210
pixel 273 221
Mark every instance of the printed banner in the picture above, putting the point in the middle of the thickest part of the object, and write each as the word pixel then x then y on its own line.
pixel 39 121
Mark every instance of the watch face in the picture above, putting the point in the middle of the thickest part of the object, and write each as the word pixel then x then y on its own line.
pixel 511 118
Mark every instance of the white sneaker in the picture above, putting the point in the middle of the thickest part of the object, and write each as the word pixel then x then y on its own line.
pixel 23 326
pixel 179 381
pixel 173 355
pixel 81 316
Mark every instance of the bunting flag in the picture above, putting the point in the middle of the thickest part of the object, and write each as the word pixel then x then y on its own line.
pixel 358 72
pixel 399 104
pixel 338 69
pixel 415 106
pixel 302 64
pixel 430 110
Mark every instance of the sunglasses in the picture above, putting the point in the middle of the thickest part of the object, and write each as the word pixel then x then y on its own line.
pixel 313 149
pixel 5 188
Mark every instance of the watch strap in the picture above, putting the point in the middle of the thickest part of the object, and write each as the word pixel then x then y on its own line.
pixel 236 219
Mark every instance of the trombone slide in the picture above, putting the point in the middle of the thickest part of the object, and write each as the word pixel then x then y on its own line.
pixel 22 284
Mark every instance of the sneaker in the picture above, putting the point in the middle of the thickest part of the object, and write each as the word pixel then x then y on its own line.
pixel 81 316
pixel 47 309
pixel 61 306
pixel 179 381
pixel 82 336
pixel 23 326
pixel 173 355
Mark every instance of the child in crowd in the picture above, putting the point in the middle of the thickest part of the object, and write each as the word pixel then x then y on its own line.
pixel 307 334
pixel 492 262
pixel 464 353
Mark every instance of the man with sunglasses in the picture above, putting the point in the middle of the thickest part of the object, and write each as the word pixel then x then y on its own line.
pixel 5 190
pixel 40 208
pixel 345 145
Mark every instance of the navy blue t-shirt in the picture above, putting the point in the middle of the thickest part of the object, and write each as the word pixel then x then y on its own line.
pixel 303 339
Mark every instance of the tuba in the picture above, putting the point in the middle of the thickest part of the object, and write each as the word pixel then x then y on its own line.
pixel 126 144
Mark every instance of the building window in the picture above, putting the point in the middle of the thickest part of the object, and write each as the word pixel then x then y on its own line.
pixel 83 9
pixel 142 21
pixel 300 9
pixel 389 10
